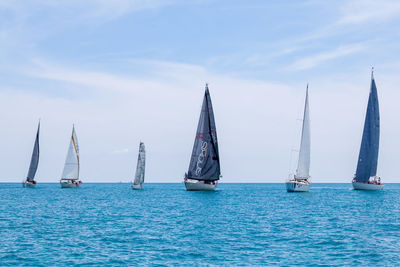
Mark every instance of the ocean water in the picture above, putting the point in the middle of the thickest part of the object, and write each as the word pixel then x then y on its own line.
pixel 240 224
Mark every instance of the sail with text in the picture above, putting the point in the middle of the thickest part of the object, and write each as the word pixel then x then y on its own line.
pixel 204 163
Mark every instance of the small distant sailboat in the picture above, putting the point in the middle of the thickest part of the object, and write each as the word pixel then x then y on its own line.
pixel 365 177
pixel 141 164
pixel 70 175
pixel 299 181
pixel 204 168
pixel 30 179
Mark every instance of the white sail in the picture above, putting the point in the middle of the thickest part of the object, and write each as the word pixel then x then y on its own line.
pixel 141 163
pixel 71 167
pixel 303 167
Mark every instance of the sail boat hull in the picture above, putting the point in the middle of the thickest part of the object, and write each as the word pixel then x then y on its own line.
pixel 297 186
pixel 137 186
pixel 196 185
pixel 366 186
pixel 70 184
pixel 29 184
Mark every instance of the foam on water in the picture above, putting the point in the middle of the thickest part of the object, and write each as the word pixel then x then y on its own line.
pixel 241 224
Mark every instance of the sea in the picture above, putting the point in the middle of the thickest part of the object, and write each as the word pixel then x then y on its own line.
pixel 164 225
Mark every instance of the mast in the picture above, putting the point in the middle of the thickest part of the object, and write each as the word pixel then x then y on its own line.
pixel 35 158
pixel 204 162
pixel 368 157
pixel 72 166
pixel 303 167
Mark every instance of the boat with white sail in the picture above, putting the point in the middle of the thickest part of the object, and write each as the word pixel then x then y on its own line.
pixel 365 177
pixel 30 178
pixel 299 182
pixel 140 168
pixel 70 175
pixel 204 168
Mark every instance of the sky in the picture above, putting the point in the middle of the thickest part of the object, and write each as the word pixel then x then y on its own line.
pixel 129 71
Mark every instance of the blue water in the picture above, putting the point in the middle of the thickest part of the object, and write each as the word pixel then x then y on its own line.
pixel 241 224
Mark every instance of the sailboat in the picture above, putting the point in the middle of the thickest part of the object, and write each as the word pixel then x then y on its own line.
pixel 30 179
pixel 204 168
pixel 299 181
pixel 70 175
pixel 140 167
pixel 365 177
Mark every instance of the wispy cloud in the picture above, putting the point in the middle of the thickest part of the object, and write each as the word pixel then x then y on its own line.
pixel 84 9
pixel 362 11
pixel 120 151
pixel 317 59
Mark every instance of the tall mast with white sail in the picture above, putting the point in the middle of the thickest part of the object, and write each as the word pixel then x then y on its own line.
pixel 303 165
pixel 299 182
pixel 71 166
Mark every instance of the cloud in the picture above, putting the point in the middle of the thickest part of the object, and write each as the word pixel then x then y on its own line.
pixel 366 11
pixel 120 151
pixel 317 59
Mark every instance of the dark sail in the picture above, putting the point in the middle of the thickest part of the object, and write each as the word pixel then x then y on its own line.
pixel 368 157
pixel 35 158
pixel 204 163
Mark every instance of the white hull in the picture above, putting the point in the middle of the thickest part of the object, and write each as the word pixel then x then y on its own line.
pixel 137 186
pixel 28 184
pixel 69 184
pixel 195 185
pixel 366 186
pixel 297 186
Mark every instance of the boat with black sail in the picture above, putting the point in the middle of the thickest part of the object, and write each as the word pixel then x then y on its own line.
pixel 365 177
pixel 30 178
pixel 204 168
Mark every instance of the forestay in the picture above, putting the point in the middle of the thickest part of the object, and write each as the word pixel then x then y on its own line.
pixel 368 157
pixel 71 167
pixel 204 163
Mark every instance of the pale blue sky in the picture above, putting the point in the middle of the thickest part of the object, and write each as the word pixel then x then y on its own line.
pixel 125 71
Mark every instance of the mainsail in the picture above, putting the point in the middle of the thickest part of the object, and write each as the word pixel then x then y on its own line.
pixel 204 163
pixel 368 157
pixel 303 167
pixel 34 159
pixel 141 163
pixel 71 166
